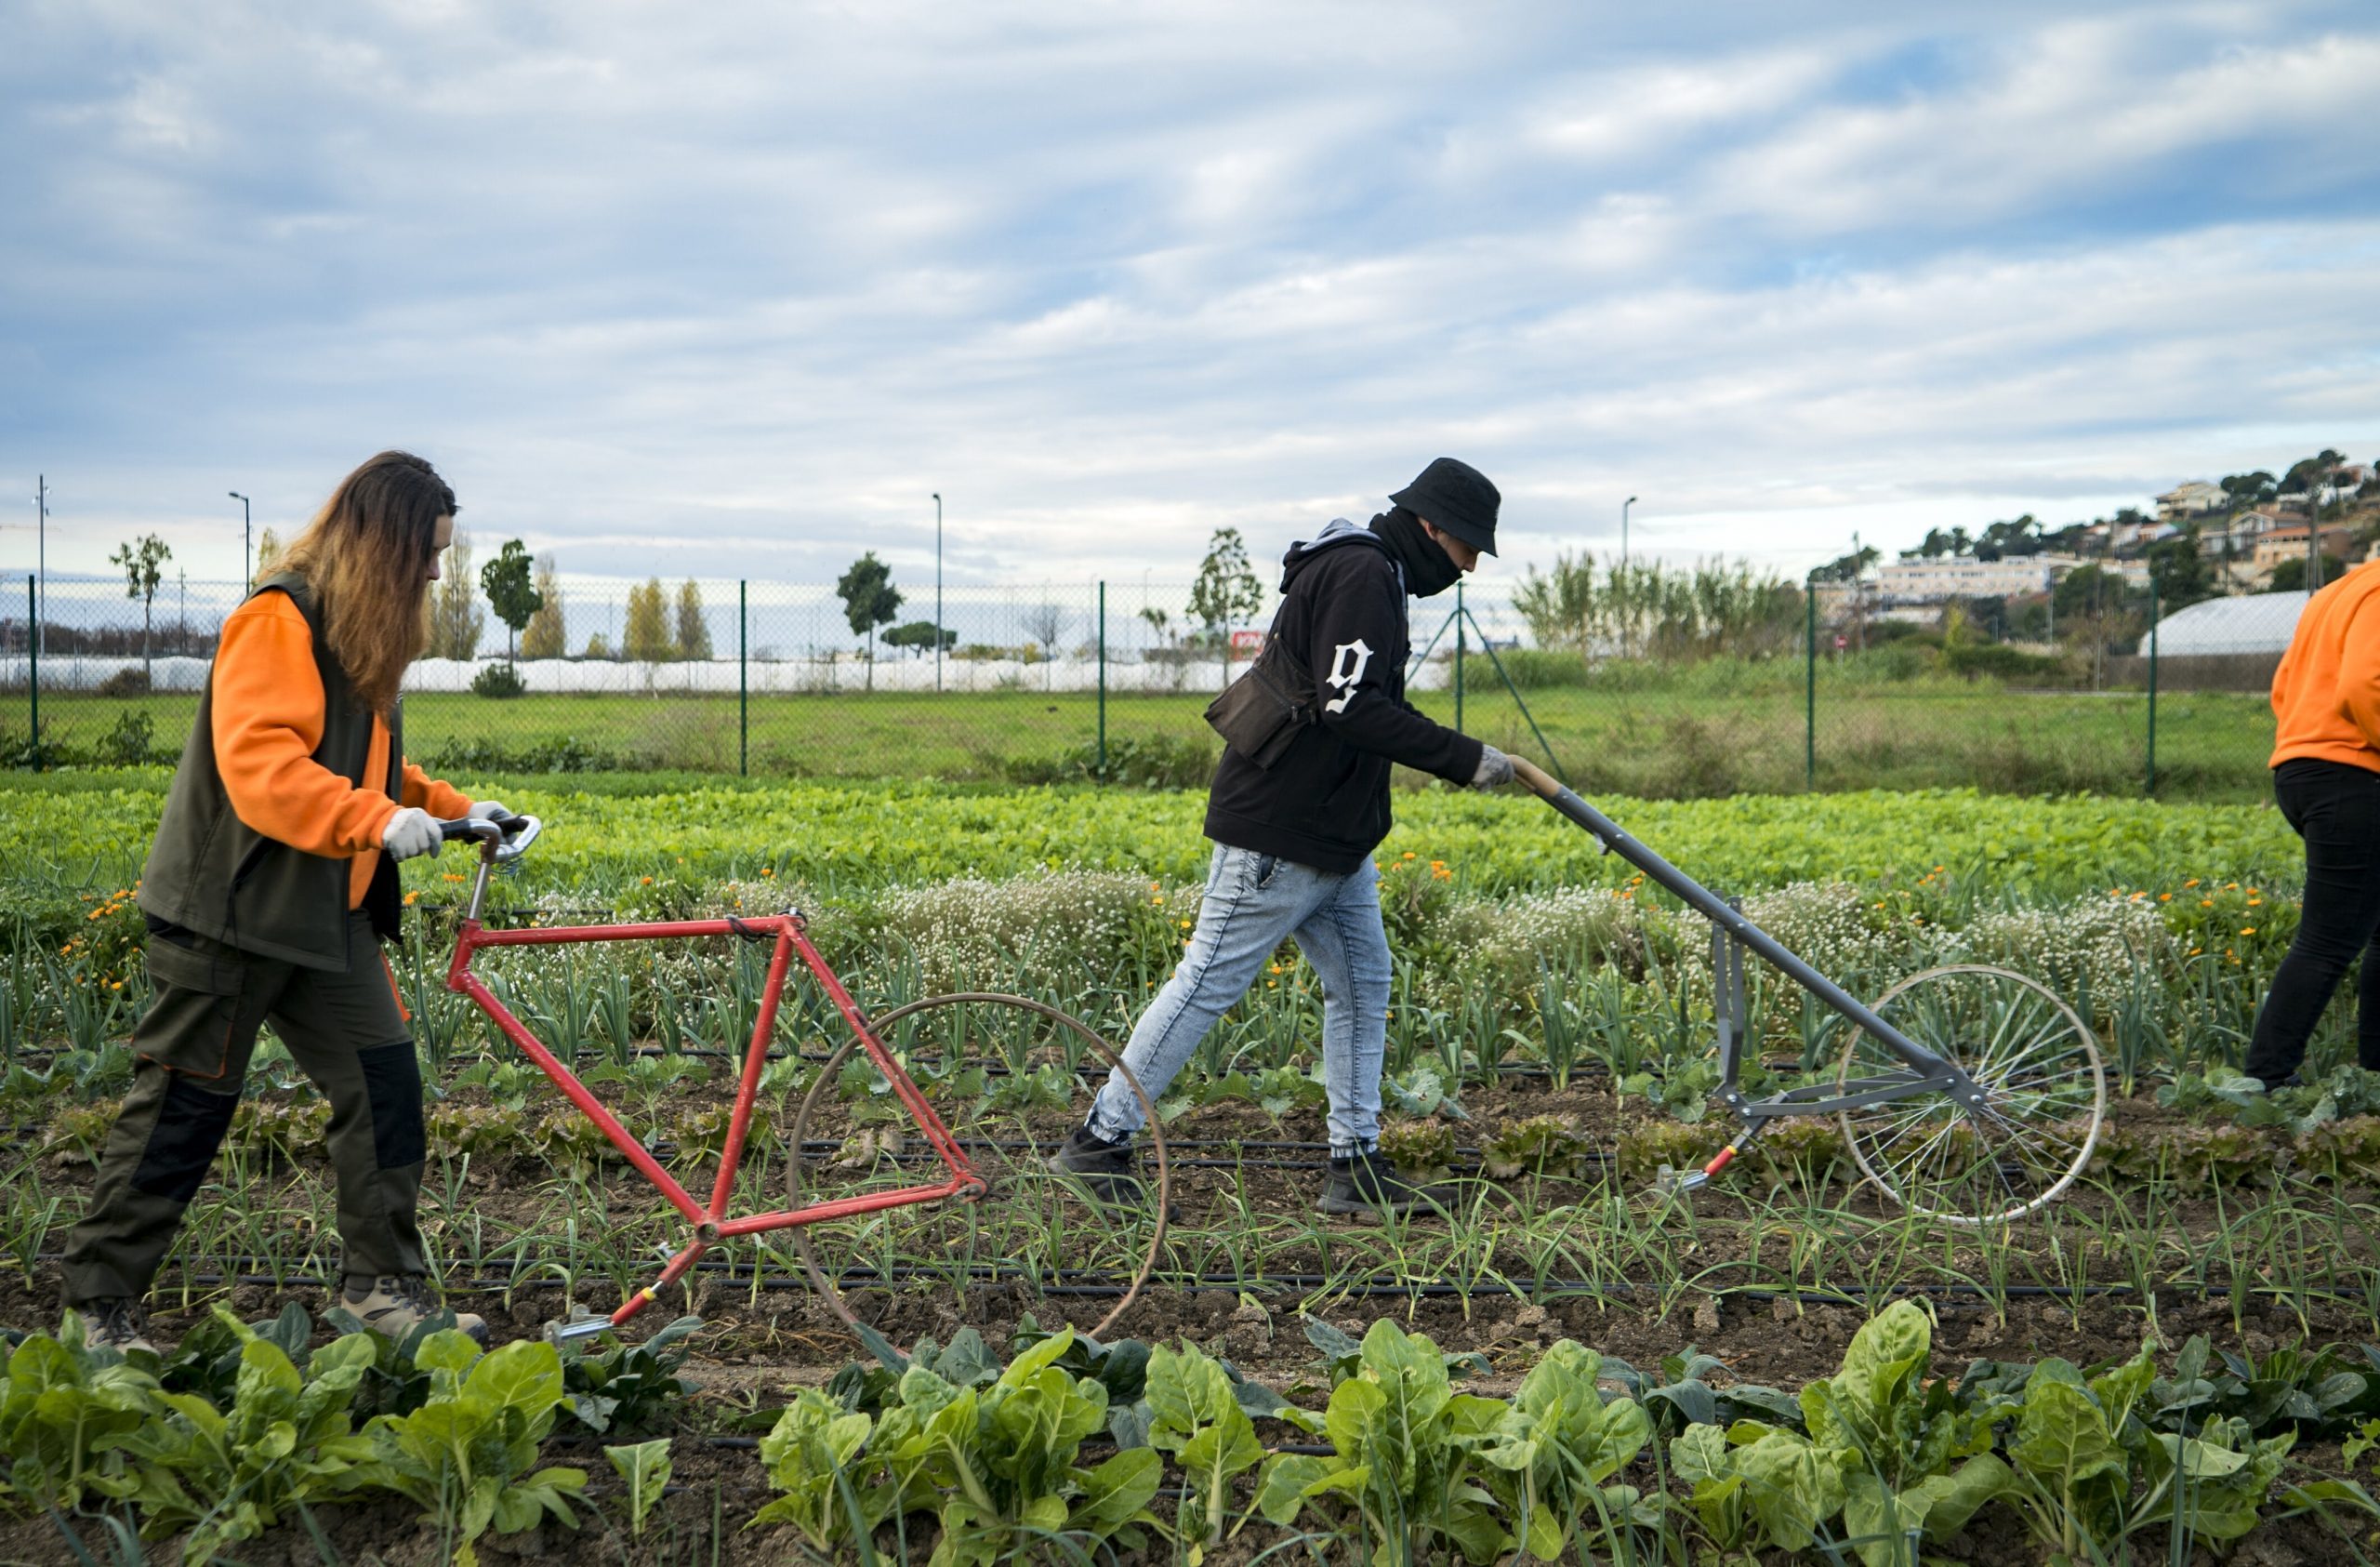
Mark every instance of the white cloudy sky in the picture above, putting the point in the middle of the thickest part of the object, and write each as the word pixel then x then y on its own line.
pixel 730 289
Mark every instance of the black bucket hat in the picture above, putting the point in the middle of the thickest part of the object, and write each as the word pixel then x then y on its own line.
pixel 1455 498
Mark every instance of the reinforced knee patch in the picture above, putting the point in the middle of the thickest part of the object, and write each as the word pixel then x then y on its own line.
pixel 189 1127
pixel 393 1088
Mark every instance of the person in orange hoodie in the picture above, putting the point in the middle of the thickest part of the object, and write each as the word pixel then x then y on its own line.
pixel 2326 776
pixel 269 890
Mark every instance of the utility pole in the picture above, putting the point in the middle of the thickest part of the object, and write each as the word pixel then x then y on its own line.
pixel 937 591
pixel 247 570
pixel 1623 528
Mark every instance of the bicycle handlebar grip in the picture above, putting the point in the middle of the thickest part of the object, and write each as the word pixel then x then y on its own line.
pixel 480 827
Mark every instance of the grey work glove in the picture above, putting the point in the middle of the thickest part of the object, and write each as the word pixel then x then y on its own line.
pixel 1495 769
pixel 411 833
pixel 487 810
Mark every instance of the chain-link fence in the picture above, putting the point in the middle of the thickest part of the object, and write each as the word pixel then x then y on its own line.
pixel 1107 681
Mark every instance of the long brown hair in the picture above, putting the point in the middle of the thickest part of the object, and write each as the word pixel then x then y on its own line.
pixel 367 556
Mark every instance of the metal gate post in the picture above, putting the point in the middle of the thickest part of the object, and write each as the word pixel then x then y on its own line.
pixel 1459 629
pixel 32 657
pixel 1810 685
pixel 743 676
pixel 2152 682
pixel 1102 683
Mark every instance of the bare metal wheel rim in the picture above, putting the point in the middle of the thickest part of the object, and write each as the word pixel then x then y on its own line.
pixel 811 1126
pixel 2045 1097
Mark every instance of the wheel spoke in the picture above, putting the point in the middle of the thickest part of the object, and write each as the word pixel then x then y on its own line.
pixel 2043 1088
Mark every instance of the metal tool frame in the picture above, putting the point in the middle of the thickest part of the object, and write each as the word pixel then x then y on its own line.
pixel 501 843
pixel 1731 935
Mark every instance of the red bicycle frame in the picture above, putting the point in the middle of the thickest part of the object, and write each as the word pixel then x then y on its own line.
pixel 711 1222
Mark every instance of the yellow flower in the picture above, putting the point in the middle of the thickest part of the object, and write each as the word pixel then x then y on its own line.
pixel 2206 903
pixel 2164 897
pixel 1408 854
pixel 2196 951
pixel 412 898
pixel 768 870
pixel 2192 882
pixel 2247 929
pixel 1185 923
pixel 648 881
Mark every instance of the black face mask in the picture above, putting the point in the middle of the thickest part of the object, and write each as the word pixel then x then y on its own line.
pixel 1428 568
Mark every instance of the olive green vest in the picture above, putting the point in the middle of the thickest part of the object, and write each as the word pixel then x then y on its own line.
pixel 210 871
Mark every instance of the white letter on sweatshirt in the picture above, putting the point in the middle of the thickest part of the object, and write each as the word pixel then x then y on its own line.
pixel 1345 679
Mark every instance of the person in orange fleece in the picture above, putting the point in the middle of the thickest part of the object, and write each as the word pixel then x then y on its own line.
pixel 269 890
pixel 2326 776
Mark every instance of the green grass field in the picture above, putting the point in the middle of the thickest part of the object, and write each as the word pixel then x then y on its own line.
pixel 1682 739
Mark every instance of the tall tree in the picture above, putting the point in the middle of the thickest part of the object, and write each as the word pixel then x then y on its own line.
pixel 267 552
pixel 694 630
pixel 505 582
pixel 869 601
pixel 456 621
pixel 143 560
pixel 1226 589
pixel 544 636
pixel 646 637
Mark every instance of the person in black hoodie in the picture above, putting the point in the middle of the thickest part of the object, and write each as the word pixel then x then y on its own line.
pixel 1294 839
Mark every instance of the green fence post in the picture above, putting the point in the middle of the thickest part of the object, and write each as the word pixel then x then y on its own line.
pixel 33 656
pixel 743 677
pixel 1102 683
pixel 1458 632
pixel 1810 685
pixel 2152 683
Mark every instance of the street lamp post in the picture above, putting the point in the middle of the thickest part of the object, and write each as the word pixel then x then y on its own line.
pixel 1623 528
pixel 246 570
pixel 937 589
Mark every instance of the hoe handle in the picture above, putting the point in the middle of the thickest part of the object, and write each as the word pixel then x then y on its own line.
pixel 1540 782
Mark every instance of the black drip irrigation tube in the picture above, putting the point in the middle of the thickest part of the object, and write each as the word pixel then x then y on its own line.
pixel 1094 1284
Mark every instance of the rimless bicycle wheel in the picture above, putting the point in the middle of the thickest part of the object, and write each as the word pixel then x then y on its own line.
pixel 2045 1097
pixel 1009 1078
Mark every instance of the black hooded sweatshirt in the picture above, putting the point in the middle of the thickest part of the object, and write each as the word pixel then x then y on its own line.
pixel 1324 803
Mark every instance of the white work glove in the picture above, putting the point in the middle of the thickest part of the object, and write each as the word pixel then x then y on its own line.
pixel 411 833
pixel 487 810
pixel 1495 769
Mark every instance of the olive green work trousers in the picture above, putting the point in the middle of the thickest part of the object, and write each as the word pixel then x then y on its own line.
pixel 347 1031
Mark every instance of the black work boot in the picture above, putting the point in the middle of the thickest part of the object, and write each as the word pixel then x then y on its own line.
pixel 1109 1171
pixel 1368 1186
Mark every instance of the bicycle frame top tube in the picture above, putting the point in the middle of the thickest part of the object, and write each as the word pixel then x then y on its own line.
pixel 1711 907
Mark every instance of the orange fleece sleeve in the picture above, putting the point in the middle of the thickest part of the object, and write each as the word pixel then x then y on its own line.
pixel 437 796
pixel 2359 673
pixel 268 720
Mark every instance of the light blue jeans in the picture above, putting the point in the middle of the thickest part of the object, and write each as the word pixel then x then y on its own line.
pixel 1252 903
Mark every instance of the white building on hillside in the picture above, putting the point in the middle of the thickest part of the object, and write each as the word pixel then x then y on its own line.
pixel 2192 500
pixel 1905 583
